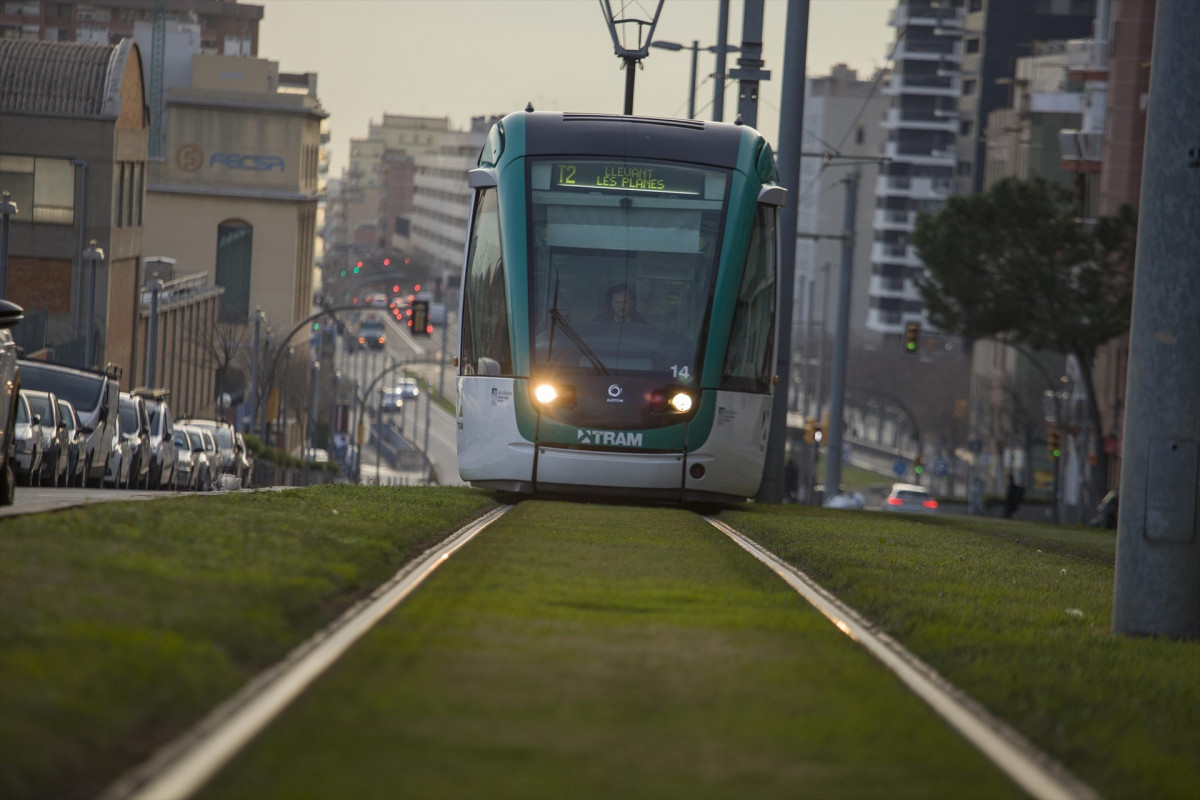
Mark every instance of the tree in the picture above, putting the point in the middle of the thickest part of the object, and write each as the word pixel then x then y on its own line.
pixel 1016 264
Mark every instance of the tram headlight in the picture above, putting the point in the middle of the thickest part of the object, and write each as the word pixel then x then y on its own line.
pixel 549 394
pixel 681 402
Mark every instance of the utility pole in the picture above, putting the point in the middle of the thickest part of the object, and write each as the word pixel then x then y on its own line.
pixel 1157 583
pixel 719 76
pixel 837 389
pixel 750 72
pixel 791 126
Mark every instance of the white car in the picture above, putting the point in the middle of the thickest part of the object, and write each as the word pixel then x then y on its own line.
pixel 910 497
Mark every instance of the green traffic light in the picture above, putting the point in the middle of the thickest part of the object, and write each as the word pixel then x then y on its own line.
pixel 343 273
pixel 316 326
pixel 357 270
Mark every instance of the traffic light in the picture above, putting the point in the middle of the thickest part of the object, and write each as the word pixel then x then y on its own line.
pixel 420 318
pixel 358 268
pixel 1054 443
pixel 912 337
pixel 810 430
pixel 918 466
pixel 317 325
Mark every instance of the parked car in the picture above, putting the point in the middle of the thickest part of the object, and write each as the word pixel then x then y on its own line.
pixel 163 462
pixel 135 430
pixel 116 470
pixel 56 456
pixel 30 446
pixel 10 389
pixel 95 398
pixel 213 455
pixel 245 460
pixel 77 443
pixel 910 497
pixel 225 460
pixel 191 459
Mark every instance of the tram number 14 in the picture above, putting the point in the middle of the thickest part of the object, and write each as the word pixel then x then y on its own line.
pixel 680 372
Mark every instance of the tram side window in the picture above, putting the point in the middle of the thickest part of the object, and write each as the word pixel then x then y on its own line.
pixel 485 341
pixel 748 361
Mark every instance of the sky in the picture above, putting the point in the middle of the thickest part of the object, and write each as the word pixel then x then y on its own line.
pixel 466 58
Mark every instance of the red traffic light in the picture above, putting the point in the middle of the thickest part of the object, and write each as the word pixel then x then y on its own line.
pixel 387 262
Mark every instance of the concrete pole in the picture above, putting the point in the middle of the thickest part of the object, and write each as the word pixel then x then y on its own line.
pixel 92 255
pixel 837 389
pixel 156 287
pixel 258 318
pixel 791 126
pixel 7 209
pixel 1157 584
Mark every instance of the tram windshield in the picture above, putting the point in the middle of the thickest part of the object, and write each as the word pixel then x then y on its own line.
pixel 623 254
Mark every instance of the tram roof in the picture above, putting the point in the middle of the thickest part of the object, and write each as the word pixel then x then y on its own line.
pixel 561 133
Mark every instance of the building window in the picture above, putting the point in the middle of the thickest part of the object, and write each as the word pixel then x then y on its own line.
pixel 42 188
pixel 235 246
pixel 968 87
pixel 972 45
pixel 964 127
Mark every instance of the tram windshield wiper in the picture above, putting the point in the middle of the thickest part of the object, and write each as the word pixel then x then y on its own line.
pixel 558 319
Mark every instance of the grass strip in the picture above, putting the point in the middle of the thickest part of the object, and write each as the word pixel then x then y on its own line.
pixel 1017 615
pixel 123 623
pixel 576 650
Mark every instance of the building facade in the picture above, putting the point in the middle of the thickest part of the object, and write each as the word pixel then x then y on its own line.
pixel 226 27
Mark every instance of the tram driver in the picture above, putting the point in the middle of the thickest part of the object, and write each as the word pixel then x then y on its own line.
pixel 620 305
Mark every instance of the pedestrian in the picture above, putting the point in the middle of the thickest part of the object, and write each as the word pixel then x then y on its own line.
pixel 1013 497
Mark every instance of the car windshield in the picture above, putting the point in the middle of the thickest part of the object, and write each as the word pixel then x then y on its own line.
pixel 80 389
pixel 64 411
pixel 197 440
pixel 23 413
pixel 129 417
pixel 40 404
pixel 224 438
pixel 180 440
pixel 910 495
pixel 622 254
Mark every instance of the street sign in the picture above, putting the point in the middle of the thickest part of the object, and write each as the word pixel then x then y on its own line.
pixel 941 467
pixel 900 467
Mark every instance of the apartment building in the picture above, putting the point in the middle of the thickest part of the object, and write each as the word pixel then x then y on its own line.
pixel 226 27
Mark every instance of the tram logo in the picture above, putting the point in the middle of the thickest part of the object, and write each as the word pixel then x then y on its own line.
pixel 608 438
pixel 614 394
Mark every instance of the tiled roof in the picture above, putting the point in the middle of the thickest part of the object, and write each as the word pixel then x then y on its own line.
pixel 61 78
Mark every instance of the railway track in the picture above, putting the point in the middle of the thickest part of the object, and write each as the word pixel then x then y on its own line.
pixel 186 766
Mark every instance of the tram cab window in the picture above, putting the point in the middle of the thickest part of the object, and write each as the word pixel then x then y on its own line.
pixel 599 223
pixel 748 361
pixel 485 328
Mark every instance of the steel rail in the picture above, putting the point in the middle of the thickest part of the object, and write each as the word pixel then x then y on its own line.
pixel 1028 767
pixel 182 767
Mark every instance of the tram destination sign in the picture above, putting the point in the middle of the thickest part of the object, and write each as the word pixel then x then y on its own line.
pixel 625 176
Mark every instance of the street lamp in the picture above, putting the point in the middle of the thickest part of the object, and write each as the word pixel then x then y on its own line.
pixel 7 209
pixel 93 255
pixel 695 48
pixel 259 318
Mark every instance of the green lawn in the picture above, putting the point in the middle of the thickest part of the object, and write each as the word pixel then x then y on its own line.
pixel 573 650
pixel 579 650
pixel 122 623
pixel 1016 614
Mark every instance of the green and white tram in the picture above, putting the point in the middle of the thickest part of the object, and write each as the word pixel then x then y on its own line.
pixel 618 312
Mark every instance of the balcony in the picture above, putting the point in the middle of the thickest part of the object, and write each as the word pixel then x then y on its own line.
pixel 1081 151
pixel 894 220
pixel 930 85
pixel 930 158
pixel 934 121
pixel 937 18
pixel 915 188
pixel 1087 59
pixel 882 252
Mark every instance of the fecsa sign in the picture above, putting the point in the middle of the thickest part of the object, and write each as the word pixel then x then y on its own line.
pixel 246 161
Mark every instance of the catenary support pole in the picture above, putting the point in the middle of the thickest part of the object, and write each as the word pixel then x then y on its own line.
pixel 1157 584
pixel 841 344
pixel 156 287
pixel 791 123
pixel 719 71
pixel 750 72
